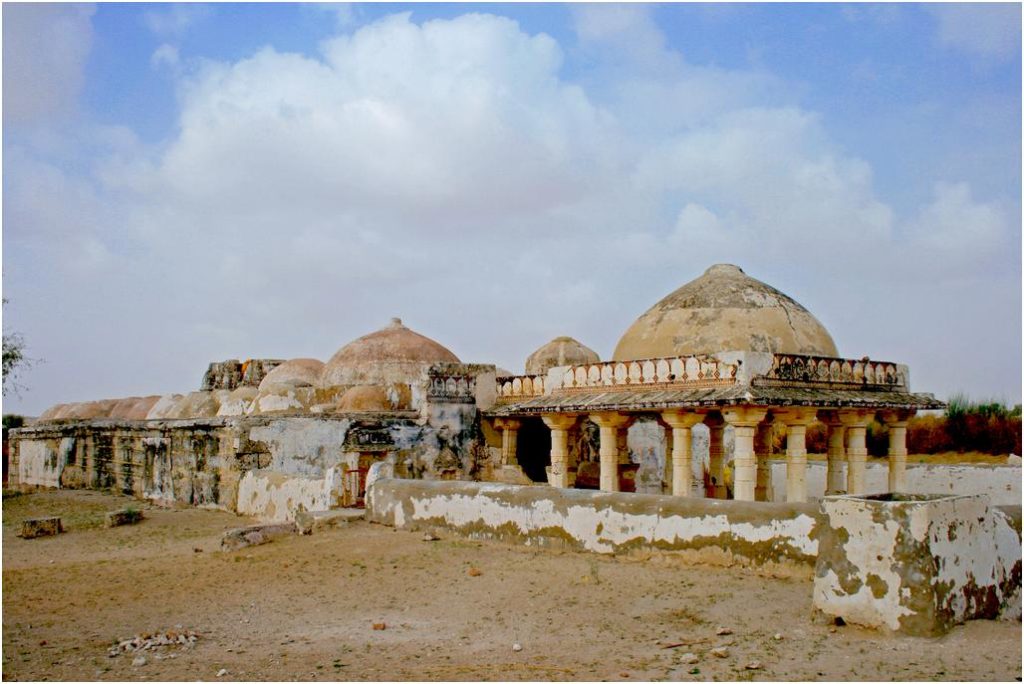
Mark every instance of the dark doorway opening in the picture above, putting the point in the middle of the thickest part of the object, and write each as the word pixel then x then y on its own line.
pixel 533 449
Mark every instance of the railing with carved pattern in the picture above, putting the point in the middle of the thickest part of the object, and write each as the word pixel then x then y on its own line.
pixel 822 370
pixel 517 387
pixel 687 371
pixel 452 388
pixel 679 371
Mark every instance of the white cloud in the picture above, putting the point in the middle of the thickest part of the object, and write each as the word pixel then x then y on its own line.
pixel 447 172
pixel 175 19
pixel 45 47
pixel 166 55
pixel 989 30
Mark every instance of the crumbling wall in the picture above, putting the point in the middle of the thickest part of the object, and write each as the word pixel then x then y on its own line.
pixel 1001 483
pixel 917 564
pixel 783 535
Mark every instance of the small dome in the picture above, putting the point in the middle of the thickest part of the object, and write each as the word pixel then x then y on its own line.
pixel 561 351
pixel 392 354
pixel 140 407
pixel 724 310
pixel 51 413
pixel 164 407
pixel 295 373
pixel 237 402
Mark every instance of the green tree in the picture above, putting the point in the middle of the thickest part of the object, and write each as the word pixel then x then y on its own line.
pixel 15 361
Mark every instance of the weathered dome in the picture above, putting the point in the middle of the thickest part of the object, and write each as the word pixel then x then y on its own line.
pixel 724 310
pixel 561 351
pixel 295 373
pixel 393 354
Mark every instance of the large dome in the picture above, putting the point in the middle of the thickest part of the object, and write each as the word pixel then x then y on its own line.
pixel 561 351
pixel 392 354
pixel 724 310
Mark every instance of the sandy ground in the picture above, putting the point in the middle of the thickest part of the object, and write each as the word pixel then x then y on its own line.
pixel 305 608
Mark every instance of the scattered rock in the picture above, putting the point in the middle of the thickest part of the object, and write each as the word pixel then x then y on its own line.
pixel 430 536
pixel 151 642
pixel 695 671
pixel 777 636
pixel 720 652
pixel 40 527
pixel 241 537
pixel 690 658
pixel 379 626
pixel 517 647
pixel 723 631
pixel 304 521
pixel 221 672
pixel 754 665
pixel 196 549
pixel 474 572
pixel 124 516
pixel 139 661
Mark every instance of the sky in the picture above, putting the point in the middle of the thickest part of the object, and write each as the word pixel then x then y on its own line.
pixel 185 183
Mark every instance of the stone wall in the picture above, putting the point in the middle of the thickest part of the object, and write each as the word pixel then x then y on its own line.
pixel 1001 484
pixel 917 564
pixel 702 530
pixel 260 465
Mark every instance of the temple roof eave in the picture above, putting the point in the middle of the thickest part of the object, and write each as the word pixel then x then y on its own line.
pixel 705 398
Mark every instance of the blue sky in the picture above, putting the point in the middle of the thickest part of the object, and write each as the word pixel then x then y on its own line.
pixel 185 183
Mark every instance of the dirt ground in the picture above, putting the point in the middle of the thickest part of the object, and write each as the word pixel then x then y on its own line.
pixel 304 608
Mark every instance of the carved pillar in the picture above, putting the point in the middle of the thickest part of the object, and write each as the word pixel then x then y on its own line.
pixel 560 425
pixel 681 460
pixel 897 423
pixel 611 425
pixel 744 420
pixel 796 420
pixel 716 455
pixel 762 452
pixel 835 480
pixel 856 423
pixel 509 438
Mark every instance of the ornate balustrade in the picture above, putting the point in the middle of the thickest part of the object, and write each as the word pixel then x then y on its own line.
pixel 680 371
pixel 823 370
pixel 516 387
pixel 452 388
pixel 672 371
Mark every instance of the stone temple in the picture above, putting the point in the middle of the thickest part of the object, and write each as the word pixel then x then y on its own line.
pixel 673 436
pixel 266 436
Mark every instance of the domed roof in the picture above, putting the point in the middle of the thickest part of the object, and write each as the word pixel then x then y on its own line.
pixel 296 373
pixel 561 351
pixel 724 310
pixel 392 354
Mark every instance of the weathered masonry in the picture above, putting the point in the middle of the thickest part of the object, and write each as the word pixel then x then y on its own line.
pixel 686 407
pixel 674 431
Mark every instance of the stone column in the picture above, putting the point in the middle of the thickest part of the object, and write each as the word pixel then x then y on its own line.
pixel 681 460
pixel 835 480
pixel 856 423
pixel 611 427
pixel 796 420
pixel 716 455
pixel 509 437
pixel 560 425
pixel 897 423
pixel 762 452
pixel 744 420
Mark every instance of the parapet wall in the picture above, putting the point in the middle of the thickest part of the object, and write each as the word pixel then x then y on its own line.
pixel 702 530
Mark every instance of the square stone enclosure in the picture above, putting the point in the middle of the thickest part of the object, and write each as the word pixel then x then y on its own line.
pixel 916 564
